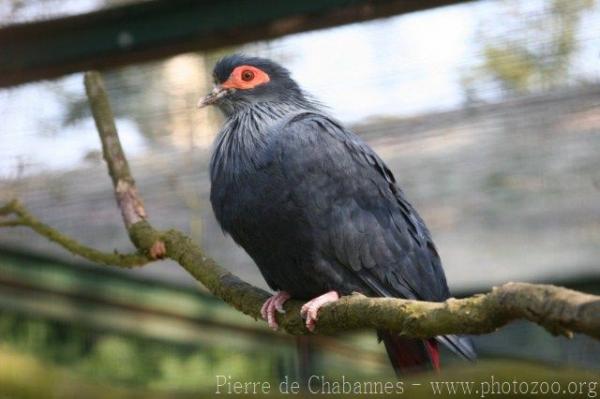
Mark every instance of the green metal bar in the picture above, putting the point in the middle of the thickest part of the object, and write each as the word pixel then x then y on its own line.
pixel 156 29
pixel 107 318
pixel 119 290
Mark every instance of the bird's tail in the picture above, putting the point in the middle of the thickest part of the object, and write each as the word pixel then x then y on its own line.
pixel 460 345
pixel 409 355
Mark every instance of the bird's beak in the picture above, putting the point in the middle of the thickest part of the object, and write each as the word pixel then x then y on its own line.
pixel 217 93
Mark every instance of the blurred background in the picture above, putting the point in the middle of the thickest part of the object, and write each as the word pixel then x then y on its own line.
pixel 488 113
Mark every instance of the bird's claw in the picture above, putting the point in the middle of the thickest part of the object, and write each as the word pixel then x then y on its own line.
pixel 310 310
pixel 279 308
pixel 272 305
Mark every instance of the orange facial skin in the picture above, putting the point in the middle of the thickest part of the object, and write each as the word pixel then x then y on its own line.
pixel 245 77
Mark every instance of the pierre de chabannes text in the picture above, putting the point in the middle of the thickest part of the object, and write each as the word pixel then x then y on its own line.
pixel 322 385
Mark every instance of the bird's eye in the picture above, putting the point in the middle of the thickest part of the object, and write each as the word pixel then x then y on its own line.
pixel 247 75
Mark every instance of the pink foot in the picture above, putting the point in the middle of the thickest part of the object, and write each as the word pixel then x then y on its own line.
pixel 310 310
pixel 274 303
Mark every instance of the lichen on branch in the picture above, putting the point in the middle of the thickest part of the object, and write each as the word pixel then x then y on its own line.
pixel 128 199
pixel 21 217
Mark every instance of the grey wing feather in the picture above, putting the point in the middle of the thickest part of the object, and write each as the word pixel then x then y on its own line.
pixel 356 210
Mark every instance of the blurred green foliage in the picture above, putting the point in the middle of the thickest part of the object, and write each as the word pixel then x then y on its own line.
pixel 128 361
pixel 532 49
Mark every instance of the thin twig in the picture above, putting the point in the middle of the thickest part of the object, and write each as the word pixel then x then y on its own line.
pixel 24 218
pixel 130 203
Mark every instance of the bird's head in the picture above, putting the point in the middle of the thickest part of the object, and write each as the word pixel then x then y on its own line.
pixel 242 81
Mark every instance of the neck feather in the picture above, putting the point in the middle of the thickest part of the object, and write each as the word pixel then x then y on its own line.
pixel 238 146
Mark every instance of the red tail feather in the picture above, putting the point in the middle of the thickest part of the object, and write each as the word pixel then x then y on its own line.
pixel 434 352
pixel 410 355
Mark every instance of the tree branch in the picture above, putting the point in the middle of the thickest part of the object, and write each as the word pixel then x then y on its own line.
pixel 558 310
pixel 24 218
pixel 130 203
pixel 128 199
